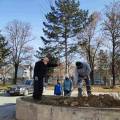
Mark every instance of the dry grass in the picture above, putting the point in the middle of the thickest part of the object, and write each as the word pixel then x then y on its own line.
pixel 105 89
pixel 97 88
pixel 4 87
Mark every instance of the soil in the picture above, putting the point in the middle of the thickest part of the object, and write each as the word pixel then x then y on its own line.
pixel 91 101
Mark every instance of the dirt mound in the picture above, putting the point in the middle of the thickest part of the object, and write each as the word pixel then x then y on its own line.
pixel 91 101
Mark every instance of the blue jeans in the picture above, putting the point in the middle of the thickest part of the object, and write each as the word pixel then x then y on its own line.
pixel 88 88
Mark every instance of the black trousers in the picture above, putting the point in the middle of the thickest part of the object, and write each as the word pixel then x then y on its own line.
pixel 67 92
pixel 38 89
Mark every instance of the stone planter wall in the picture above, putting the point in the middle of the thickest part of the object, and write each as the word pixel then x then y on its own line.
pixel 31 111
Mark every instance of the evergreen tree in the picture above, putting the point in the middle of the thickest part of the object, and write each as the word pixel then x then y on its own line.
pixel 4 50
pixel 63 23
pixel 46 51
pixel 103 64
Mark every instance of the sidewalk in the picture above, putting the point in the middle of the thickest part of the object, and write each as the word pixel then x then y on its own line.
pixel 74 93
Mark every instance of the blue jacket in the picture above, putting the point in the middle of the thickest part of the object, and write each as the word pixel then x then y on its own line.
pixel 67 85
pixel 58 89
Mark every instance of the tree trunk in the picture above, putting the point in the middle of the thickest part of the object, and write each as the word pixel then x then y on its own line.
pixel 66 60
pixel 113 64
pixel 31 72
pixel 66 54
pixel 92 76
pixel 4 81
pixel 91 63
pixel 15 75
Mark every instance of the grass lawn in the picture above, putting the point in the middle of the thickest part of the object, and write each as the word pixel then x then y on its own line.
pixel 96 88
pixel 4 87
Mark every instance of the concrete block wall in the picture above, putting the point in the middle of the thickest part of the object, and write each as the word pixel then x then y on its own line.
pixel 32 111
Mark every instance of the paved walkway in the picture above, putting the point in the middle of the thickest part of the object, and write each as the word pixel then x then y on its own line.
pixel 7 112
pixel 7 107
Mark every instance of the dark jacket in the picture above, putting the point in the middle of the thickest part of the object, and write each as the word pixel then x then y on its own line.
pixel 40 69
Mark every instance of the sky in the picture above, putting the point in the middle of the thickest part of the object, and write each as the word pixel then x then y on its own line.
pixel 33 12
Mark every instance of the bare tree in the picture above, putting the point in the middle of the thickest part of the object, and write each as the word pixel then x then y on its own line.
pixel 111 27
pixel 89 43
pixel 19 34
pixel 71 58
pixel 117 66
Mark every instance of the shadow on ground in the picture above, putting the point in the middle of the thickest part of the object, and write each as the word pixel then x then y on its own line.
pixel 8 111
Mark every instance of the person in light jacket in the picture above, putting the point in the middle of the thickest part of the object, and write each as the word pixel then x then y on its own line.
pixel 82 72
pixel 67 86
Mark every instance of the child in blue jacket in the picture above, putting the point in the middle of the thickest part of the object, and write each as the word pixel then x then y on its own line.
pixel 58 88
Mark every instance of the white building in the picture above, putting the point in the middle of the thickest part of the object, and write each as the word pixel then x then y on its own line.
pixel 24 72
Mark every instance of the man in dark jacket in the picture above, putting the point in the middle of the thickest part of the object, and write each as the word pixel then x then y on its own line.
pixel 40 71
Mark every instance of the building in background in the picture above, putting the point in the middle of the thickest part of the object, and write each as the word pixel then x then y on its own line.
pixel 24 72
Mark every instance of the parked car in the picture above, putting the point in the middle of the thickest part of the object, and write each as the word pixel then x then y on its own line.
pixel 24 89
pixel 99 82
